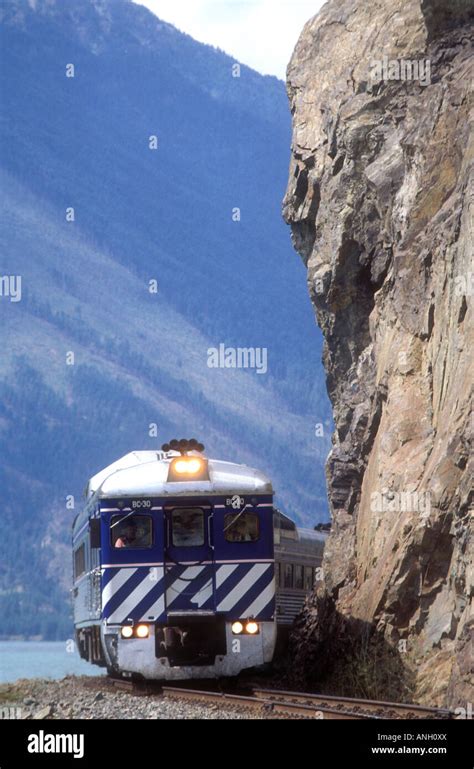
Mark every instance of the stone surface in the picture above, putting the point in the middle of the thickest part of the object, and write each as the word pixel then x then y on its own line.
pixel 45 712
pixel 380 205
pixel 84 697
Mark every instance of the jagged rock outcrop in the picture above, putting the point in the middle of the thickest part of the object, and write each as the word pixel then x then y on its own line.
pixel 380 204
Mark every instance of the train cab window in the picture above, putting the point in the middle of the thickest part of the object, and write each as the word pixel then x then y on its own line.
pixel 187 524
pixel 131 531
pixel 308 578
pixel 287 575
pixel 241 527
pixel 298 576
pixel 79 561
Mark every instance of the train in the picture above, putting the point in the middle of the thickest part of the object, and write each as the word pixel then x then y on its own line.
pixel 183 568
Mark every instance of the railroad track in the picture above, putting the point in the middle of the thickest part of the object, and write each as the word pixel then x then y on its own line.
pixel 270 706
pixel 136 688
pixel 288 704
pixel 356 707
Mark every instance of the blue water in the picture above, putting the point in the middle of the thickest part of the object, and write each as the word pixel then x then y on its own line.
pixel 41 659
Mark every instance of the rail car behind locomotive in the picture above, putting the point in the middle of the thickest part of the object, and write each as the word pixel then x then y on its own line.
pixel 174 566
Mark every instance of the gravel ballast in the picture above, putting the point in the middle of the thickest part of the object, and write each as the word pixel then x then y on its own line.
pixel 83 697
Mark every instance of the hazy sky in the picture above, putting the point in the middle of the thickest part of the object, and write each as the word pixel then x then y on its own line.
pixel 260 33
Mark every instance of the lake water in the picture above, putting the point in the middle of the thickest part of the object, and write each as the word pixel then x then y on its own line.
pixel 41 659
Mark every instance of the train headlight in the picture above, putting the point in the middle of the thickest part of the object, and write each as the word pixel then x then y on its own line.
pixel 189 466
pixel 142 631
pixel 237 628
pixel 188 469
pixel 127 631
pixel 251 627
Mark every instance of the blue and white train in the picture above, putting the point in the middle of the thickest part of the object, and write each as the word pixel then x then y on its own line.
pixel 174 566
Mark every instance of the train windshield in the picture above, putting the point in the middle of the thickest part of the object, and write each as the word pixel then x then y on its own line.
pixel 131 531
pixel 187 527
pixel 242 527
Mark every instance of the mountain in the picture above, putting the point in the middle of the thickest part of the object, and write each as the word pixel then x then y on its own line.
pixel 97 359
pixel 380 203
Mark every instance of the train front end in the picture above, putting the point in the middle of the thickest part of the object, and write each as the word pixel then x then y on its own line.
pixel 187 568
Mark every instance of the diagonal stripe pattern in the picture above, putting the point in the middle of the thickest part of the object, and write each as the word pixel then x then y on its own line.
pixel 136 594
pixel 235 590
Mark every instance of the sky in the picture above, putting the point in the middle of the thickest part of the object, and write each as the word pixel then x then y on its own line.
pixel 259 33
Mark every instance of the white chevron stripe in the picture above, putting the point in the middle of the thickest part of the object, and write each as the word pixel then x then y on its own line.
pixel 203 595
pixel 243 586
pixel 156 609
pixel 223 572
pixel 182 583
pixel 132 600
pixel 115 584
pixel 261 601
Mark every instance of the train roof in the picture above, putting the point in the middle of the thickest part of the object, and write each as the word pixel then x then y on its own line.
pixel 145 473
pixel 310 535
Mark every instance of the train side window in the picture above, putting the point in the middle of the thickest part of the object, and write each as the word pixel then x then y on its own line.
pixel 79 561
pixel 287 575
pixel 187 527
pixel 241 527
pixel 308 578
pixel 131 531
pixel 298 576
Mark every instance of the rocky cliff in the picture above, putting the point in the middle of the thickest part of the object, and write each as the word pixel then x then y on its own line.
pixel 380 205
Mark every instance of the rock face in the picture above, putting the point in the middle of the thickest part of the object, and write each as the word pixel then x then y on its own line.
pixel 380 204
